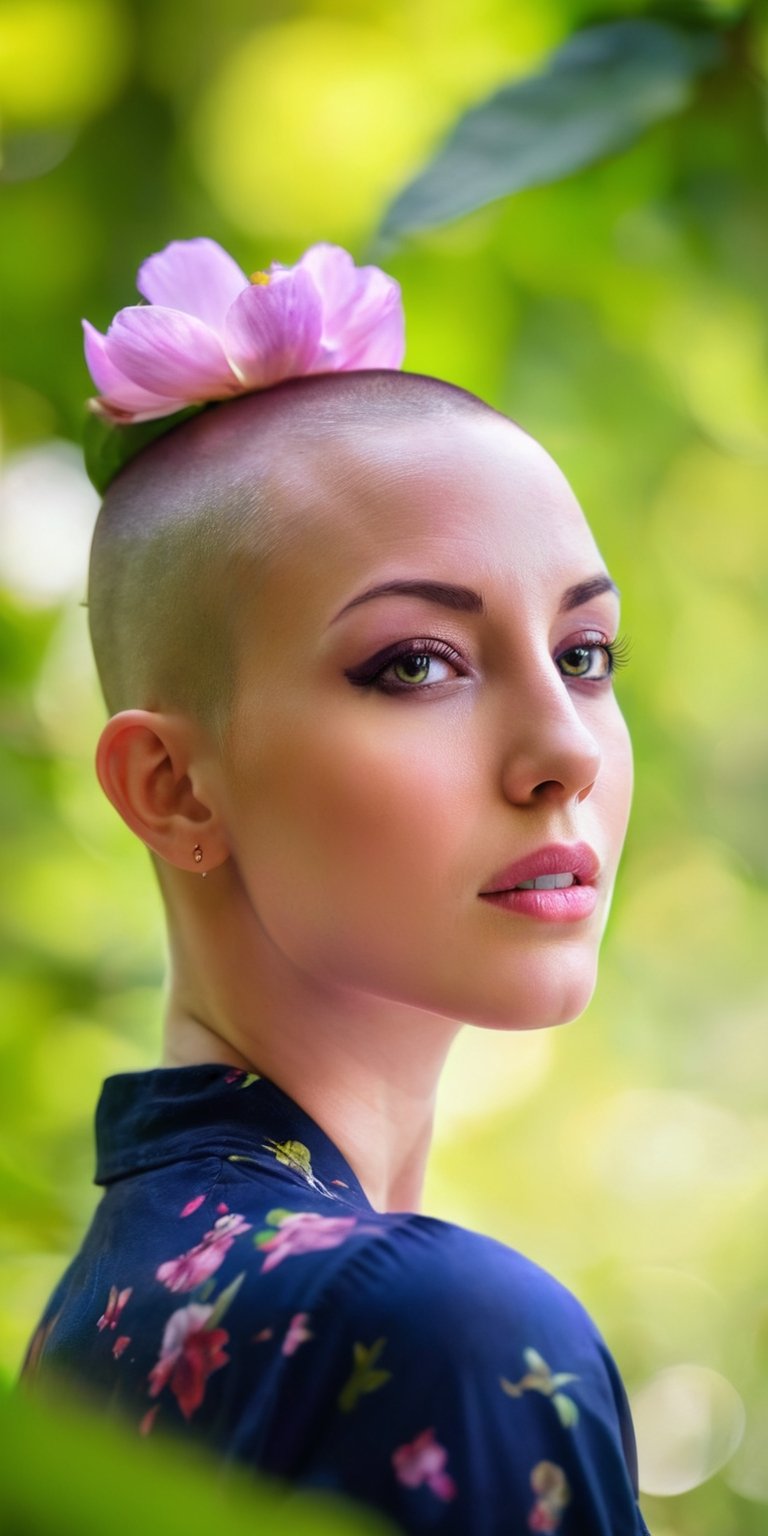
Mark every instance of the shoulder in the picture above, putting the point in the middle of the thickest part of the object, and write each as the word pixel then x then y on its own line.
pixel 433 1274
pixel 486 1316
pixel 447 1364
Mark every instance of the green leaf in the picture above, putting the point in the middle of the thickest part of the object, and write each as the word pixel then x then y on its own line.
pixel 567 1411
pixel 600 90
pixel 277 1215
pixel 223 1302
pixel 374 1379
pixel 67 1469
pixel 535 1362
pixel 108 448
pixel 293 1154
pixel 366 1355
pixel 363 1377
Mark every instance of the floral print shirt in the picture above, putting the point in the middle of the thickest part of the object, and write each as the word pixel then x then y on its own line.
pixel 237 1286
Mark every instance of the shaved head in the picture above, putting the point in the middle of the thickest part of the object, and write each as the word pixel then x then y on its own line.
pixel 197 514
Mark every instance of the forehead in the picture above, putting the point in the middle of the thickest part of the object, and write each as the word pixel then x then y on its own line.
pixel 470 494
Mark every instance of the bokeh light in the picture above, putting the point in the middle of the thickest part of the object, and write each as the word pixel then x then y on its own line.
pixel 47 512
pixel 689 1420
pixel 61 61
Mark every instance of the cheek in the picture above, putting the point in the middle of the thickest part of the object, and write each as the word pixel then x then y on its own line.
pixel 359 805
pixel 614 787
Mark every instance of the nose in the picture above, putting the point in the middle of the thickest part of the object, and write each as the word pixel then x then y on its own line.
pixel 551 754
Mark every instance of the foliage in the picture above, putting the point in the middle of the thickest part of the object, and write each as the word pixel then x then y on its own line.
pixel 612 297
pixel 597 93
pixel 123 1484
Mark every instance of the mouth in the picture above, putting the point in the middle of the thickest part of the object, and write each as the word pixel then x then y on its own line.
pixel 556 866
pixel 570 902
pixel 555 884
pixel 545 883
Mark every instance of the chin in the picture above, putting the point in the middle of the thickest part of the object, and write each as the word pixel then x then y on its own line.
pixel 556 994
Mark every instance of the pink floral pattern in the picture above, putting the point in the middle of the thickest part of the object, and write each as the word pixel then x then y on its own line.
pixel 336 1333
pixel 110 1317
pixel 422 1462
pixel 197 1265
pixel 301 1232
pixel 145 1427
pixel 553 1494
pixel 192 1206
pixel 297 1333
pixel 190 1352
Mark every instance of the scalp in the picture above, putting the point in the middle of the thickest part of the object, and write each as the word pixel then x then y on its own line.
pixel 174 526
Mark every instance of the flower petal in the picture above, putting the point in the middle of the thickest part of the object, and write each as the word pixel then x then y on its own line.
pixel 363 324
pixel 196 276
pixel 170 353
pixel 273 330
pixel 121 399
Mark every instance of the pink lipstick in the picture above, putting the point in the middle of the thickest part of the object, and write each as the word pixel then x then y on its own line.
pixel 558 883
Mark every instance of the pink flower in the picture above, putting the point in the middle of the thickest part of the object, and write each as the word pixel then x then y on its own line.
pixel 120 1345
pixel 111 1314
pixel 208 333
pixel 306 1232
pixel 189 1354
pixel 553 1493
pixel 199 1263
pixel 423 1461
pixel 297 1333
pixel 542 1518
pixel 192 1205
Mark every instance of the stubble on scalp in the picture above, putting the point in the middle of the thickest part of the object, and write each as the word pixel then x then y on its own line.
pixel 186 531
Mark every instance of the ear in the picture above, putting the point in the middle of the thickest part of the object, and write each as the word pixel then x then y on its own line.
pixel 159 772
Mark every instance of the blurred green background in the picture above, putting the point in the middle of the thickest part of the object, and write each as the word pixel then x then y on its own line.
pixel 610 294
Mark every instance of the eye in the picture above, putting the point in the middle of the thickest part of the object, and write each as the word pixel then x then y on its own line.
pixel 420 665
pixel 594 659
pixel 412 668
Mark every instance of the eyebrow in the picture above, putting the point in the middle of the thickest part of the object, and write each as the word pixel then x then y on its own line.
pixel 466 600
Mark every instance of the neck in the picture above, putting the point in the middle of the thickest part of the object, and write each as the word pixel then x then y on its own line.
pixel 365 1068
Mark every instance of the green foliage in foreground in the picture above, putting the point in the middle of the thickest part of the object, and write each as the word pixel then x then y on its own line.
pixel 68 1473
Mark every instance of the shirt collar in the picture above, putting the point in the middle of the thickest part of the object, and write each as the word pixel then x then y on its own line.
pixel 148 1119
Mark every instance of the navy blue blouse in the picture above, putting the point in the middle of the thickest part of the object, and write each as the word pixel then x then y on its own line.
pixel 237 1285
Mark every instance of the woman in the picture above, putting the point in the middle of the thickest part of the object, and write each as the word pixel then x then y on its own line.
pixel 357 642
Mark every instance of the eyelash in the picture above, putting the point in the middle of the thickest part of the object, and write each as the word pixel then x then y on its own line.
pixel 617 652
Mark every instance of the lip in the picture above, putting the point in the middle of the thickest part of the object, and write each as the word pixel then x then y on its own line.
pixel 554 859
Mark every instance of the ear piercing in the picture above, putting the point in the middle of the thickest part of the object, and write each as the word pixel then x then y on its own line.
pixel 198 854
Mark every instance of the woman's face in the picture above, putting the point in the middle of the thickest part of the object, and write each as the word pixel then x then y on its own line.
pixel 371 798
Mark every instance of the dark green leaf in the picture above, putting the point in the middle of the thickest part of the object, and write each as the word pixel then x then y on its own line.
pixel 598 92
pixel 223 1301
pixel 108 448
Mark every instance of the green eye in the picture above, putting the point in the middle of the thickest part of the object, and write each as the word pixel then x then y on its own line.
pixel 583 652
pixel 412 668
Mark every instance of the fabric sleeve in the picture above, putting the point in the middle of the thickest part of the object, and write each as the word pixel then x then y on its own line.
pixel 459 1389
